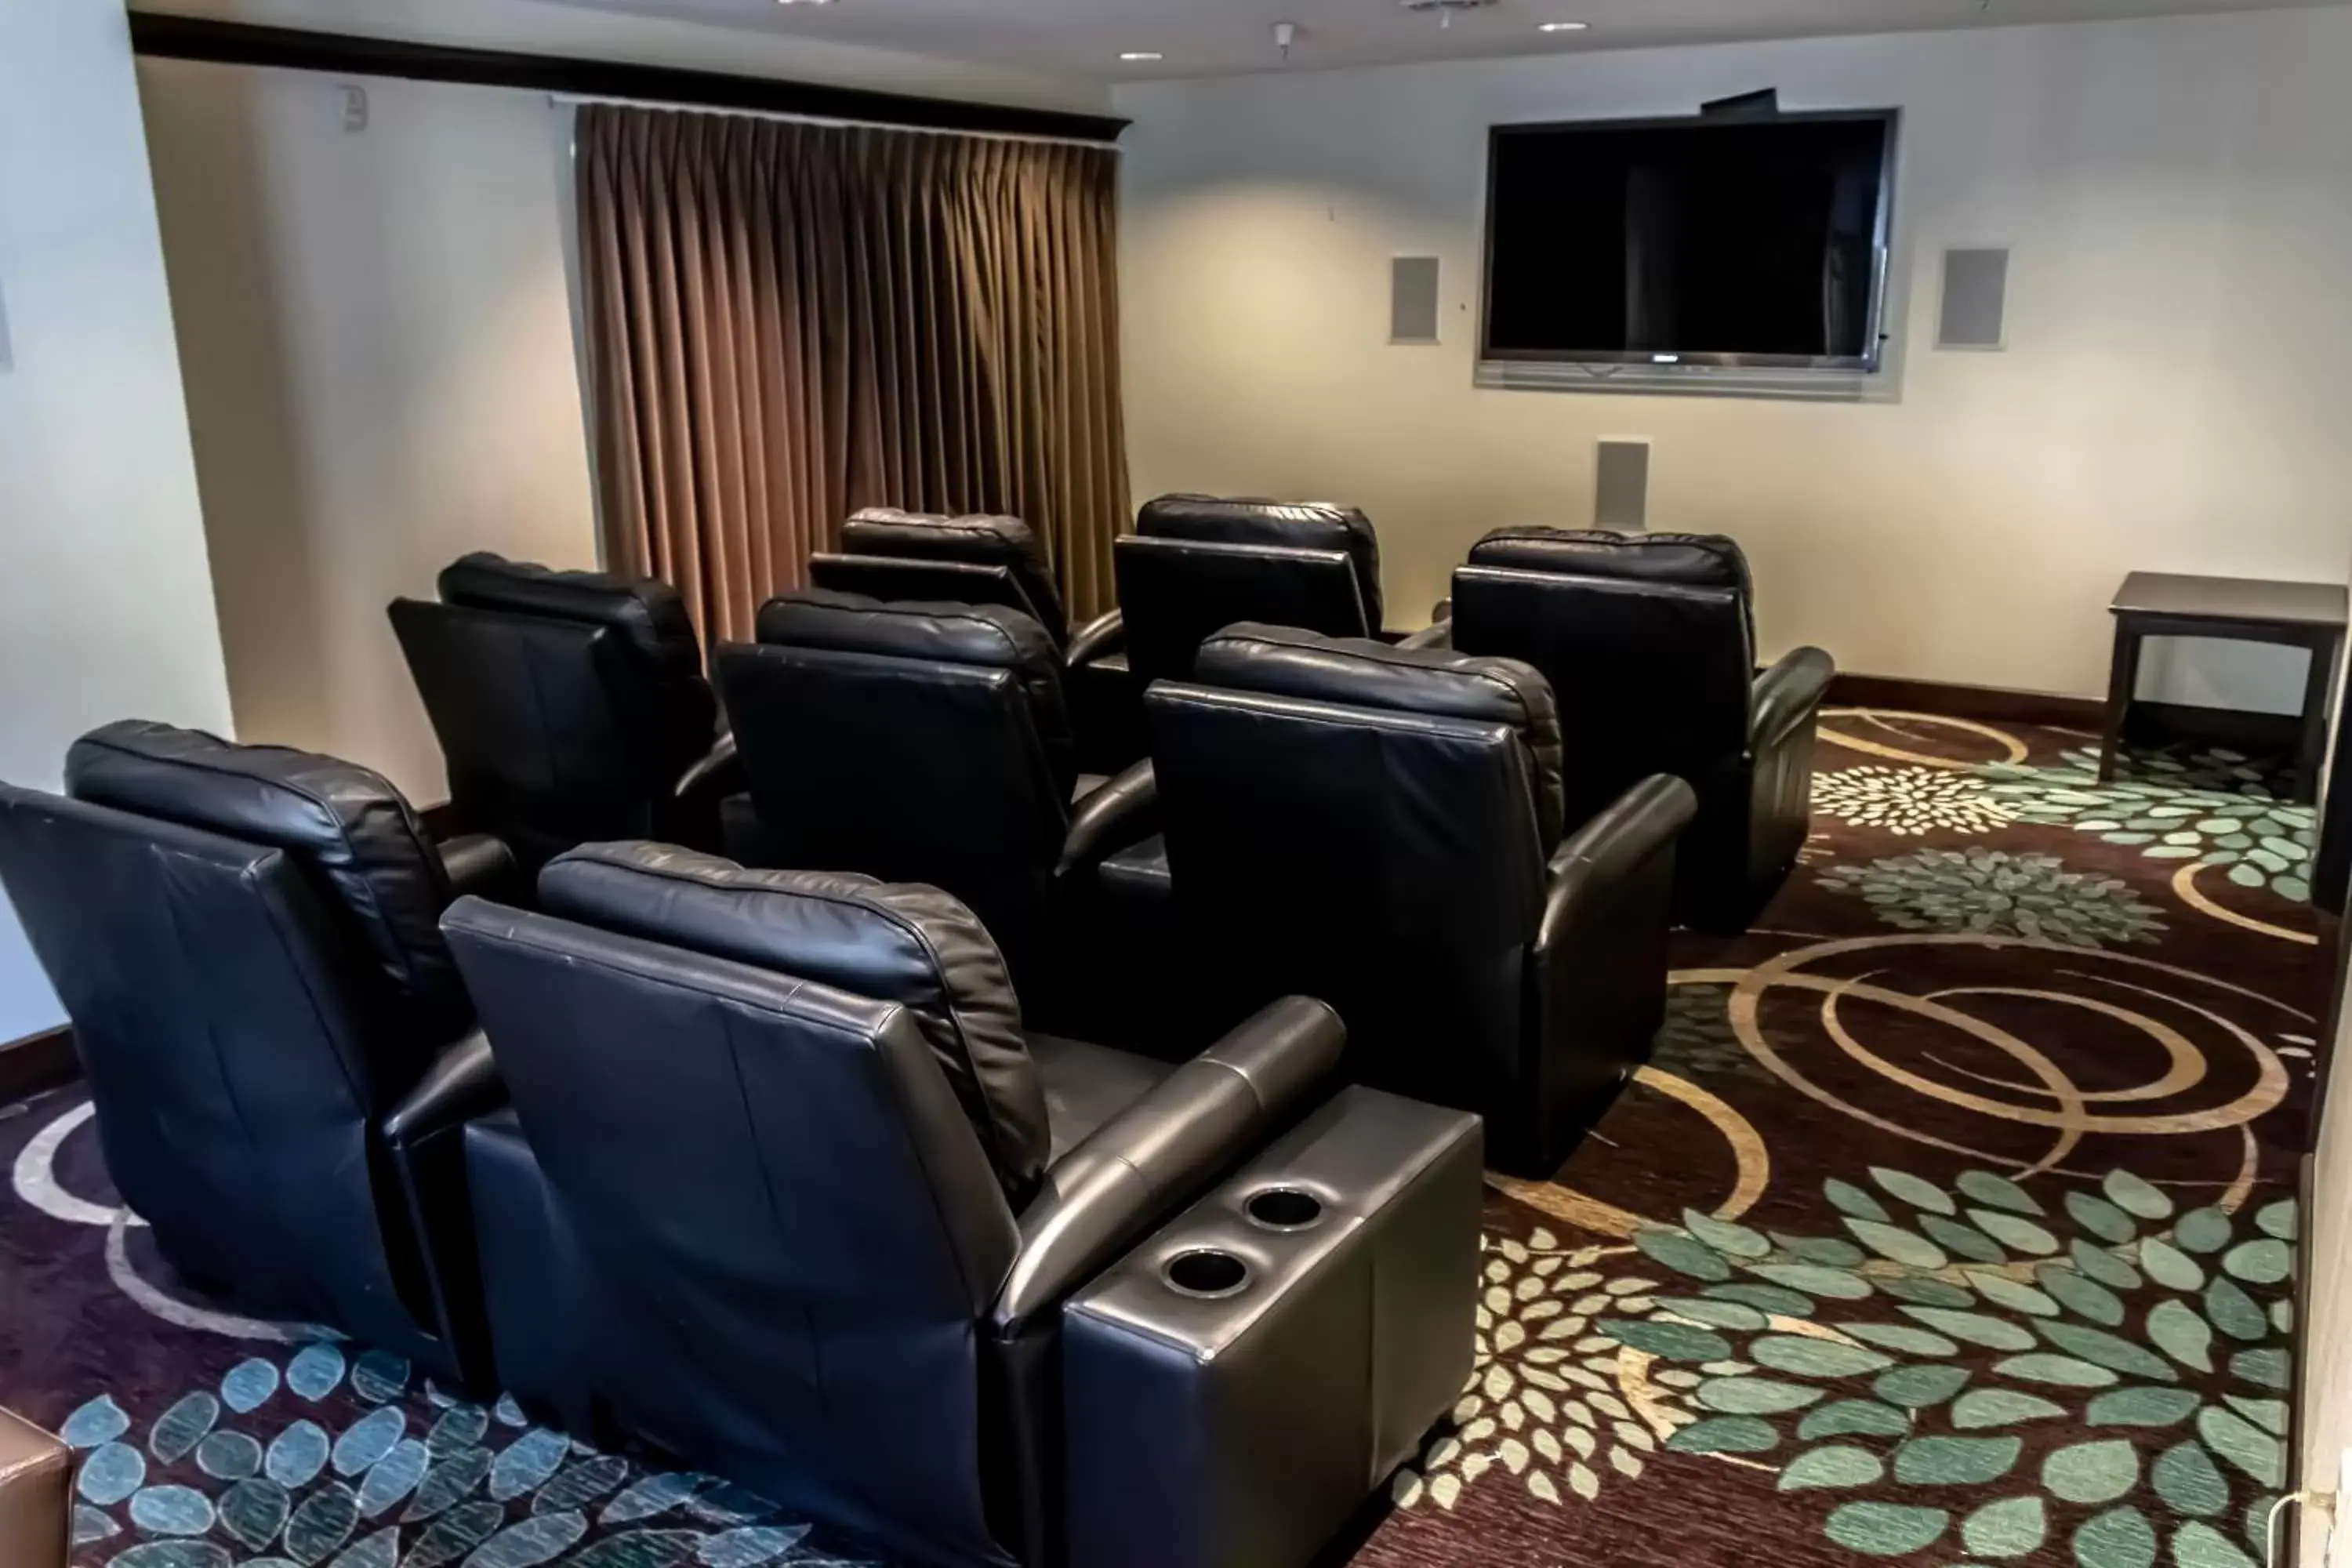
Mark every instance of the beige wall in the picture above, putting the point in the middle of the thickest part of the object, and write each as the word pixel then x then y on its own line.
pixel 571 27
pixel 106 607
pixel 2181 207
pixel 378 339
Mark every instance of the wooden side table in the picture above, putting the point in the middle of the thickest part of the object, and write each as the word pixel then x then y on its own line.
pixel 2308 615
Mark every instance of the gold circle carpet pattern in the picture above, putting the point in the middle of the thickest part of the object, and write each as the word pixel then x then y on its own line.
pixel 1952 1224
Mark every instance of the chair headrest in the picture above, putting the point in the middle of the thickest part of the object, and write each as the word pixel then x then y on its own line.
pixel 1247 519
pixel 347 822
pixel 648 613
pixel 1685 560
pixel 989 635
pixel 899 942
pixel 981 537
pixel 1284 661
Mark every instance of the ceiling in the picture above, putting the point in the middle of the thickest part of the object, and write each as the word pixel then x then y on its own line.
pixel 1205 37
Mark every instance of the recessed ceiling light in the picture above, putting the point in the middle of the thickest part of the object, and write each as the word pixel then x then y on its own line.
pixel 1563 26
pixel 1142 57
pixel 803 2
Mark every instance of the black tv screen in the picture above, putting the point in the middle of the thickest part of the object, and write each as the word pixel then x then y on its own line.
pixel 1698 241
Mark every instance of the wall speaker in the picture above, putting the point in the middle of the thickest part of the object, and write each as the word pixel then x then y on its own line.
pixel 1976 298
pixel 1621 490
pixel 1412 300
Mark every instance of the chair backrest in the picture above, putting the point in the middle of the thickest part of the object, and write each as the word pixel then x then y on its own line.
pixel 914 743
pixel 977 540
pixel 240 1037
pixel 1295 525
pixel 345 825
pixel 1363 828
pixel 1174 593
pixel 567 703
pixel 1645 640
pixel 786 1230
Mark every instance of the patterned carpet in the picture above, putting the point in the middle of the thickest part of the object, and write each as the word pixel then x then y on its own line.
pixel 1953 1223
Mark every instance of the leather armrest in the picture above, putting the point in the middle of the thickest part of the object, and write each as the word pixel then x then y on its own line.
pixel 425 1137
pixel 1104 633
pixel 477 863
pixel 720 771
pixel 1437 634
pixel 461 1084
pixel 1612 846
pixel 1788 695
pixel 1164 1150
pixel 1118 813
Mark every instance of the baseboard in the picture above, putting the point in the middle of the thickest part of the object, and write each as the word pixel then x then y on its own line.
pixel 2151 723
pixel 36 1062
pixel 1992 704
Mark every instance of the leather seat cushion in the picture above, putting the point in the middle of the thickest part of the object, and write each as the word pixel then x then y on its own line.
pixel 1282 661
pixel 1301 525
pixel 981 539
pixel 988 635
pixel 1086 1084
pixel 1689 560
pixel 905 943
pixel 1139 873
pixel 649 613
pixel 346 822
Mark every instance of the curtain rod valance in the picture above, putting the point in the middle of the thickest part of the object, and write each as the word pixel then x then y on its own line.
pixel 790 118
pixel 160 35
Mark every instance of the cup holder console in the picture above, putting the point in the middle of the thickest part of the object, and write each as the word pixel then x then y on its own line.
pixel 1333 1279
pixel 1206 1272
pixel 1284 1208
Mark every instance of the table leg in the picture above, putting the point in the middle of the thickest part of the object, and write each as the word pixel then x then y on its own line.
pixel 2123 683
pixel 2325 651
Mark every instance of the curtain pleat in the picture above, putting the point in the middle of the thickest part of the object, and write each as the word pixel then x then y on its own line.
pixel 787 322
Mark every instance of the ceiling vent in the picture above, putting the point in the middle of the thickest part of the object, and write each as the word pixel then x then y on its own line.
pixel 1446 10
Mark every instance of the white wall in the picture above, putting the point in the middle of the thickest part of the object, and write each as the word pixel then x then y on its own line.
pixel 106 608
pixel 2325 1370
pixel 377 334
pixel 2181 311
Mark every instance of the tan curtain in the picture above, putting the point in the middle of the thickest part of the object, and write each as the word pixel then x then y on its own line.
pixel 789 321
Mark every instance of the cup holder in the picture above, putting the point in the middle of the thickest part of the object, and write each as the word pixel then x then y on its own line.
pixel 1284 1208
pixel 1206 1273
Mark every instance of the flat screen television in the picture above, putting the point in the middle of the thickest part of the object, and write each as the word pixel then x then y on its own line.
pixel 1691 242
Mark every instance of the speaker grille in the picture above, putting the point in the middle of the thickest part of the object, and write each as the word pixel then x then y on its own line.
pixel 1976 298
pixel 1412 300
pixel 1621 490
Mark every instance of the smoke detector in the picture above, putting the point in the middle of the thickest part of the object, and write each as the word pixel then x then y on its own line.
pixel 1446 10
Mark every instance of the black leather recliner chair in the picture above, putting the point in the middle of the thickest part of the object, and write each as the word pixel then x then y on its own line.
pixel 918 743
pixel 1385 828
pixel 926 558
pixel 788 1189
pixel 246 939
pixel 932 557
pixel 571 706
pixel 1197 563
pixel 1649 642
